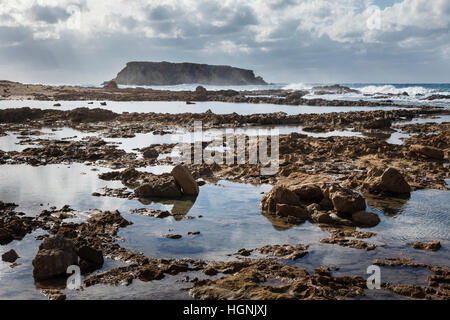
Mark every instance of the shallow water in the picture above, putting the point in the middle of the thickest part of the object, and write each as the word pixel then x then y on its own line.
pixel 230 222
pixel 174 107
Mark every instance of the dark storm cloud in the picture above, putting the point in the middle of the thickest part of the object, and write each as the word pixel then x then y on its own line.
pixel 282 47
pixel 50 15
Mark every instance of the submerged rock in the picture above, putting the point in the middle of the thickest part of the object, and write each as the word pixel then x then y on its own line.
pixel 429 246
pixel 55 255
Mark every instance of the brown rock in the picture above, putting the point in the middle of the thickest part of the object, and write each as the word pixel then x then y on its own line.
pixel 284 210
pixel 430 246
pixel 55 255
pixel 163 186
pixel 379 123
pixel 346 201
pixel 10 256
pixel 150 153
pixel 309 193
pixel 5 236
pixel 429 152
pixel 90 254
pixel 279 195
pixel 184 178
pixel 365 219
pixel 150 272
pixel 389 181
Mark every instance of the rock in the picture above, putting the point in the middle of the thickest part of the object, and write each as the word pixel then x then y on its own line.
pixel 309 193
pixel 428 152
pixel 296 95
pixel 93 256
pixel 54 294
pixel 346 201
pixel 390 181
pixel 150 153
pixel 172 236
pixel 150 272
pixel 55 255
pixel 378 123
pixel 278 195
pixel 6 236
pixel 166 73
pixel 285 210
pixel 184 178
pixel 365 219
pixel 244 252
pixel 111 85
pixel 10 256
pixel 163 186
pixel 430 246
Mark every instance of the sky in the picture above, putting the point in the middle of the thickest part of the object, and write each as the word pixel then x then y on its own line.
pixel 284 41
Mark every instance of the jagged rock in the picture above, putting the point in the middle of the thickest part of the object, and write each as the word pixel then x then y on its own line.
pixel 10 256
pixel 428 152
pixel 389 181
pixel 55 255
pixel 185 180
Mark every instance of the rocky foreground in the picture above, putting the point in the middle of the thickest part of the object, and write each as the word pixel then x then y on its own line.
pixel 326 181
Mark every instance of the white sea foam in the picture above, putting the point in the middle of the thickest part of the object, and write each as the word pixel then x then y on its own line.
pixel 297 86
pixel 390 89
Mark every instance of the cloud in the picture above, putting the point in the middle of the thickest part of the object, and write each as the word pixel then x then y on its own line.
pixel 49 15
pixel 284 40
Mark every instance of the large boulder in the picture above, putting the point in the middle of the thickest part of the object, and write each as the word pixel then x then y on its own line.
pixel 163 186
pixel 185 180
pixel 428 152
pixel 389 181
pixel 55 255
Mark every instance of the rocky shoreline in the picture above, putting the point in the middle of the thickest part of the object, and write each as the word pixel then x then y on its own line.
pixel 111 92
pixel 326 181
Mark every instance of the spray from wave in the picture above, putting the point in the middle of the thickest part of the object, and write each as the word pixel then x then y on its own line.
pixel 390 89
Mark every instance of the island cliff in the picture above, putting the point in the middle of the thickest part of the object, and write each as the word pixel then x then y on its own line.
pixel 166 73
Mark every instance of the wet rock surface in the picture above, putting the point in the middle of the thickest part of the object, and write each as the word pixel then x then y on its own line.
pixel 327 181
pixel 251 280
